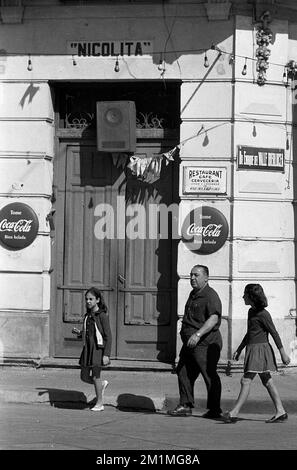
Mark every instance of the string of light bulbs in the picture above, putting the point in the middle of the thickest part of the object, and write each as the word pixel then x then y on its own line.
pixel 162 61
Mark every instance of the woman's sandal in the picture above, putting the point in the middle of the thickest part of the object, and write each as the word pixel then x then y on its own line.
pixel 278 419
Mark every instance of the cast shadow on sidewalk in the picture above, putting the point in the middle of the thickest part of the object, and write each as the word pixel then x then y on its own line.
pixel 70 399
pixel 131 402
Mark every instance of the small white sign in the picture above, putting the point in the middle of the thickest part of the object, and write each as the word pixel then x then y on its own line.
pixel 110 48
pixel 204 180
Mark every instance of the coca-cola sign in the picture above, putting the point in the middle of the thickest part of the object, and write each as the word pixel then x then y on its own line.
pixel 204 230
pixel 18 226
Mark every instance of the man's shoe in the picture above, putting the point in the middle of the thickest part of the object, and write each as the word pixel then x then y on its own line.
pixel 279 419
pixel 212 415
pixel 229 419
pixel 181 410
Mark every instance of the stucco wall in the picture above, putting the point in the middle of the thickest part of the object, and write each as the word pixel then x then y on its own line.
pixel 26 173
pixel 263 217
pixel 217 103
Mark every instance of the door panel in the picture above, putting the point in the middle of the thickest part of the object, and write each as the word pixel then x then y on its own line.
pixel 148 293
pixel 90 180
pixel 137 276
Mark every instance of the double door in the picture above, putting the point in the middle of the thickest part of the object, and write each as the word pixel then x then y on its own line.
pixel 105 237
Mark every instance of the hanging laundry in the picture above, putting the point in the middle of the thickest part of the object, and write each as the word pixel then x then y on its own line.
pixel 171 154
pixel 154 170
pixel 148 169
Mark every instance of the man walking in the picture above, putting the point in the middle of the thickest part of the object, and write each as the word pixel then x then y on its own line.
pixel 202 344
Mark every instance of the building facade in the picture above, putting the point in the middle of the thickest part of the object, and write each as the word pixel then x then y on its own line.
pixel 214 91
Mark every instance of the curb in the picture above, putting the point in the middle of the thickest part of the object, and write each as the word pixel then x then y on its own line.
pixel 122 401
pixel 228 368
pixel 129 401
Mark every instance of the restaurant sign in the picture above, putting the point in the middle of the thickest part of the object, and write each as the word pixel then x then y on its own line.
pixel 205 180
pixel 110 48
pixel 204 230
pixel 18 226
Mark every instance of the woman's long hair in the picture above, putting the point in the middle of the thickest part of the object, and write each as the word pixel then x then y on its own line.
pixel 96 293
pixel 256 295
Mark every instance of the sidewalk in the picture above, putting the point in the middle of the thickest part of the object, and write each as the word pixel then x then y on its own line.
pixel 141 389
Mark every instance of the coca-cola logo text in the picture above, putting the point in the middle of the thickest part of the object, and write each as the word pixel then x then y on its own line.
pixel 211 230
pixel 21 225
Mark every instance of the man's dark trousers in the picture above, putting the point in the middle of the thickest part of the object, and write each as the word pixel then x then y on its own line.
pixel 193 361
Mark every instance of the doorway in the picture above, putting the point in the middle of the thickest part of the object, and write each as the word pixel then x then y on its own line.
pixel 137 276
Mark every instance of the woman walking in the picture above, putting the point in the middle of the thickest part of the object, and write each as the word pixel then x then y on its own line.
pixel 259 355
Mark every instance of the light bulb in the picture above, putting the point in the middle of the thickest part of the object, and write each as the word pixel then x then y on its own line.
pixel 244 70
pixel 285 78
pixel 160 66
pixel 29 66
pixel 287 143
pixel 117 66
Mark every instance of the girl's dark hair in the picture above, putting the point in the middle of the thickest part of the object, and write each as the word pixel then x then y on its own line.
pixel 256 294
pixel 96 293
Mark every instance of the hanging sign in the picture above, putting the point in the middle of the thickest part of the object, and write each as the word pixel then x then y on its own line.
pixel 204 180
pixel 204 230
pixel 256 158
pixel 18 226
pixel 110 48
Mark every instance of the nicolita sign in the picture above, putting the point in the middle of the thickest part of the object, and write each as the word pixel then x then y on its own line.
pixel 18 226
pixel 204 230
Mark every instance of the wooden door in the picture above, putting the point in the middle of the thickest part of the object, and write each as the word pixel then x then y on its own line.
pixel 90 179
pixel 137 276
pixel 147 279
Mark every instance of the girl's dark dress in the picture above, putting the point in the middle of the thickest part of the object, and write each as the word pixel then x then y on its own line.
pixel 259 355
pixel 92 353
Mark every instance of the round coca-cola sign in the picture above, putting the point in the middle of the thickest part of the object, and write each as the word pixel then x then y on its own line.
pixel 18 226
pixel 204 230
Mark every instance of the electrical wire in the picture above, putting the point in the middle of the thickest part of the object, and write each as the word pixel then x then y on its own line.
pixel 169 32
pixel 202 50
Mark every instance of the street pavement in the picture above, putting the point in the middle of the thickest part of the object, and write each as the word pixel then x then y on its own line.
pixel 48 409
pixel 40 427
pixel 142 389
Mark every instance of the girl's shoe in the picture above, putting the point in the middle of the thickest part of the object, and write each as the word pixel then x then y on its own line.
pixel 100 407
pixel 229 419
pixel 278 419
pixel 97 408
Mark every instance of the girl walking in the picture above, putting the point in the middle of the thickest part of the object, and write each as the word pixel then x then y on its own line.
pixel 259 355
pixel 96 335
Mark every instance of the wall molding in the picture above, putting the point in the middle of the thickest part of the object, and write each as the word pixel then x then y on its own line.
pixel 27 119
pixel 25 155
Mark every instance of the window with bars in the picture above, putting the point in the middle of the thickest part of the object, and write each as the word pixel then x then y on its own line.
pixel 157 104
